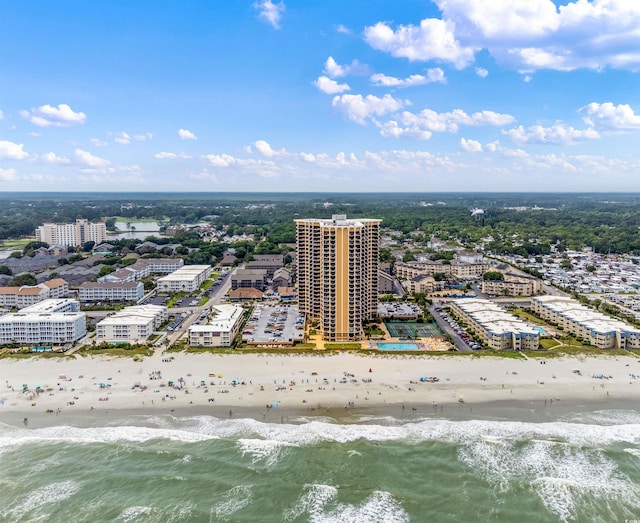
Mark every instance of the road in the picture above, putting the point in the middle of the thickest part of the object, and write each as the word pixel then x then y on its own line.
pixel 446 328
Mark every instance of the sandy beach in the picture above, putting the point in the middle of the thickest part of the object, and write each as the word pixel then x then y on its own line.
pixel 274 384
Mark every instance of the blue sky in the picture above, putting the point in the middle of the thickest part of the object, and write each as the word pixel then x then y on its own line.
pixel 383 95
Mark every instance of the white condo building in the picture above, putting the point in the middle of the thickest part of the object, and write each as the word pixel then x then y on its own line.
pixel 497 328
pixel 72 234
pixel 49 321
pixel 220 331
pixel 28 295
pixel 185 279
pixel 111 291
pixel 598 329
pixel 135 323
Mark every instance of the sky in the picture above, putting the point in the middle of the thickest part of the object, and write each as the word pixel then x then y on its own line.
pixel 310 95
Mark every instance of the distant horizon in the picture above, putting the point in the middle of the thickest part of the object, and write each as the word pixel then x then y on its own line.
pixel 275 95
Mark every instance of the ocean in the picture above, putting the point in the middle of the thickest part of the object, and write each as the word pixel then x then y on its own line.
pixel 358 468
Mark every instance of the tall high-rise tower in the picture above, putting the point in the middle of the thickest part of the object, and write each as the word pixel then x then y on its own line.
pixel 338 273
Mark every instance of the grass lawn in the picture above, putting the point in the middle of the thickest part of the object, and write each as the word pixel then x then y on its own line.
pixel 342 345
pixel 17 244
pixel 547 343
pixel 203 301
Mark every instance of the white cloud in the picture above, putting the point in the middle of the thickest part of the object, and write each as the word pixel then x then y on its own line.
pixel 88 159
pixel 12 151
pixel 170 156
pixel 335 70
pixel 329 86
pixel 270 12
pixel 471 146
pixel 609 116
pixel 8 175
pixel 482 72
pixel 122 138
pixel 54 159
pixel 433 75
pixel 184 134
pixel 142 137
pixel 49 116
pixel 433 39
pixel 265 149
pixel 220 160
pixel 343 29
pixel 96 142
pixel 537 34
pixel 526 35
pixel 358 108
pixel 556 134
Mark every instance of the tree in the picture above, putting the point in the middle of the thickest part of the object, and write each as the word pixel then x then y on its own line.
pixel 23 279
pixel 408 256
pixel 106 269
pixel 493 276
pixel 439 276
pixel 5 270
pixel 87 246
pixel 591 268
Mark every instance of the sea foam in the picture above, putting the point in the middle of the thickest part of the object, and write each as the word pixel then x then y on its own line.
pixel 319 503
pixel 47 495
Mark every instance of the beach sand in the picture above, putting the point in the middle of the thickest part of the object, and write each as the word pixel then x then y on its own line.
pixel 273 387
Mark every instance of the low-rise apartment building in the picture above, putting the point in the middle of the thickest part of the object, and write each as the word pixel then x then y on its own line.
pixel 245 278
pixel 111 291
pixel 512 286
pixel 28 295
pixel 53 321
pixel 496 327
pixel 598 329
pixel 186 279
pixel 220 331
pixel 131 324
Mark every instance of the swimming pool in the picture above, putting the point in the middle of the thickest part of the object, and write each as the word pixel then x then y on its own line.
pixel 398 346
pixel 540 330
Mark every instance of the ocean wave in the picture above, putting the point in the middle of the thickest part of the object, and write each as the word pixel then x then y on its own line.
pixel 319 503
pixel 47 495
pixel 231 501
pixel 113 434
pixel 203 428
pixel 565 477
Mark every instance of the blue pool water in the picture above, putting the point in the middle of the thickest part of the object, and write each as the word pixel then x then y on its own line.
pixel 540 330
pixel 398 346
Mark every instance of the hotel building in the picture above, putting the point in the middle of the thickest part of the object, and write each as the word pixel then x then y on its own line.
pixel 337 269
pixel 72 234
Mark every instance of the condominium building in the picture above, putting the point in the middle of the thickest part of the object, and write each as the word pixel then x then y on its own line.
pixel 72 234
pixel 50 321
pixel 496 327
pixel 337 267
pixel 598 329
pixel 28 295
pixel 220 331
pixel 512 286
pixel 111 291
pixel 135 323
pixel 185 279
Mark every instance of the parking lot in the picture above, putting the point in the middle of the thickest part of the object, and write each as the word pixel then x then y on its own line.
pixel 274 325
pixel 187 301
pixel 461 338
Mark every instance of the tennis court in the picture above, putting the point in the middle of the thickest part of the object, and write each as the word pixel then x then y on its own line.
pixel 412 329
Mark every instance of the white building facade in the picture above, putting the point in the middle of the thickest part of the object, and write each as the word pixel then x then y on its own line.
pixel 220 331
pixel 132 324
pixel 72 234
pixel 111 291
pixel 186 279
pixel 50 321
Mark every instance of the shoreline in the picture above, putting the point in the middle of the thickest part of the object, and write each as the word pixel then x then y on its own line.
pixel 281 388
